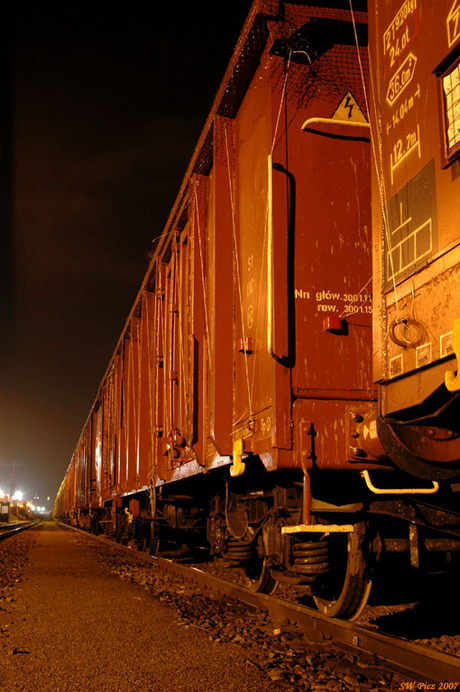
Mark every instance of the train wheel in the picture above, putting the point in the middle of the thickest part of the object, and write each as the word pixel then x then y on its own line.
pixel 260 577
pixel 344 590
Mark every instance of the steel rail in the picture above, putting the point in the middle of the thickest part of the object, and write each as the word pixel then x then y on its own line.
pixel 9 530
pixel 413 661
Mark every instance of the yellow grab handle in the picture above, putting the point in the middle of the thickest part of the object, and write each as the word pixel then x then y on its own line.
pixel 237 468
pixel 452 380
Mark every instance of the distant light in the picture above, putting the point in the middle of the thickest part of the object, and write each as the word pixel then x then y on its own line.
pixel 18 495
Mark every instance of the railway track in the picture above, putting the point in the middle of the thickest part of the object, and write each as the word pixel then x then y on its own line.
pixel 420 664
pixel 10 530
pixel 402 656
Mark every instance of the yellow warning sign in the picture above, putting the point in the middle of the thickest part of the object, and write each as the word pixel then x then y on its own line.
pixel 349 110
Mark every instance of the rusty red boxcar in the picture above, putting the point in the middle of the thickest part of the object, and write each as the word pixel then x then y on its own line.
pixel 239 411
pixel 416 208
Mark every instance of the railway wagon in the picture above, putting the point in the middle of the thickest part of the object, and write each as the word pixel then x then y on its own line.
pixel 415 115
pixel 416 190
pixel 239 411
pixel 233 393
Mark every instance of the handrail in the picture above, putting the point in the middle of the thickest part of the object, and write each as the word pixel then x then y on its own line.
pixel 282 359
pixel 398 491
pixel 333 121
pixel 270 267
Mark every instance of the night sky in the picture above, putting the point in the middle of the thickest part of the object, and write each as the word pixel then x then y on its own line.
pixel 105 107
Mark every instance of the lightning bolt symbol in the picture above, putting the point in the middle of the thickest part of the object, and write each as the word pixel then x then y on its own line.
pixel 349 104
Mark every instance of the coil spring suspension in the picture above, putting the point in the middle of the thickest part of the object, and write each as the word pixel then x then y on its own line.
pixel 310 558
pixel 237 551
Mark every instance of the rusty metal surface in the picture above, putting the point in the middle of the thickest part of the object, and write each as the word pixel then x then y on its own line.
pixel 416 258
pixel 327 436
pixel 414 52
pixel 267 246
pixel 303 247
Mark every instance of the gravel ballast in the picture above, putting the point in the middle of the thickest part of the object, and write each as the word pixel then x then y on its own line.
pixel 78 614
pixel 68 623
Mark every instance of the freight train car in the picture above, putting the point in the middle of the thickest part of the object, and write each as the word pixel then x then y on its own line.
pixel 415 113
pixel 239 410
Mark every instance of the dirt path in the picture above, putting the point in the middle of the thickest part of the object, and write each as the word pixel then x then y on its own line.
pixel 72 625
